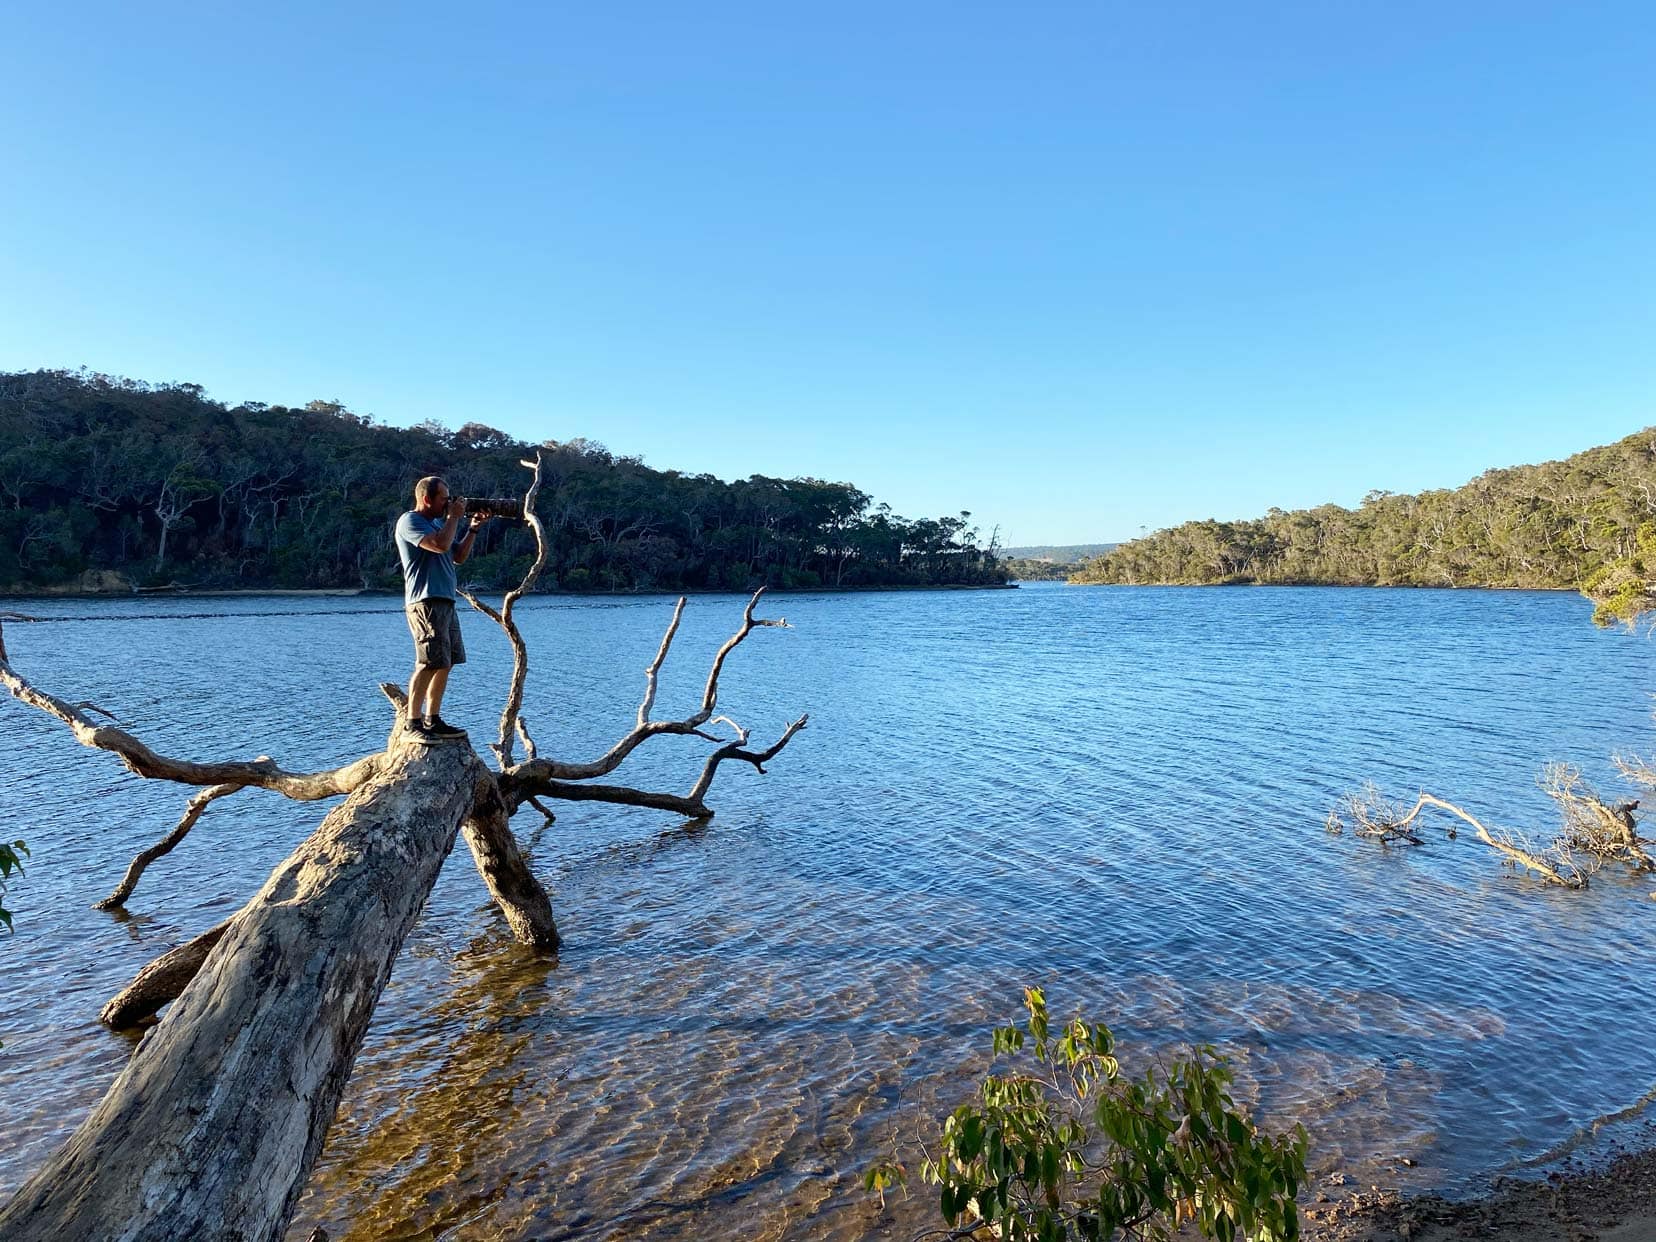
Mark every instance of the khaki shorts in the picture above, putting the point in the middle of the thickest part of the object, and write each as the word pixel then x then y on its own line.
pixel 436 631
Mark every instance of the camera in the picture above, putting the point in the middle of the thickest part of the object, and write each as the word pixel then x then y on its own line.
pixel 494 506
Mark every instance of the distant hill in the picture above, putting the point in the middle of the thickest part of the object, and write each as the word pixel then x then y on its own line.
pixel 1588 521
pixel 1058 554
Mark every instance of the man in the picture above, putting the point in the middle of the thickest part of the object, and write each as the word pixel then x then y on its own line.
pixel 430 545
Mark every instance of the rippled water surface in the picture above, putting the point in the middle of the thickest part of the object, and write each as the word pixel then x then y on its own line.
pixel 1115 793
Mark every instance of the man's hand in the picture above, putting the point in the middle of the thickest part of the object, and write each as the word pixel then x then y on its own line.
pixel 456 508
pixel 479 518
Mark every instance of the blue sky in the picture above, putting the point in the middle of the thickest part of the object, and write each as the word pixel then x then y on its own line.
pixel 1078 268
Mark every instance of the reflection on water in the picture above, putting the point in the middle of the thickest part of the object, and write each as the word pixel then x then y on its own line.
pixel 1116 794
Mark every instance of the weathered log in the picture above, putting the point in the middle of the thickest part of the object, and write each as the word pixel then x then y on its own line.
pixel 161 982
pixel 213 1127
pixel 516 892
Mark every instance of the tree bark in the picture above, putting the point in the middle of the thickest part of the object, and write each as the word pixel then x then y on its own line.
pixel 213 1127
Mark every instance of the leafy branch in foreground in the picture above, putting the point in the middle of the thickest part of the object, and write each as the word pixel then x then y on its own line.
pixel 11 860
pixel 1062 1146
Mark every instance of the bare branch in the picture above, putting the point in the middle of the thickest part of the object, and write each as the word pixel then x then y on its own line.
pixel 734 750
pixel 512 884
pixel 1591 825
pixel 519 788
pixel 140 760
pixel 165 846
pixel 481 607
pixel 502 747
pixel 651 673
pixel 555 770
pixel 525 781
pixel 163 980
pixel 1373 816
pixel 710 696
pixel 1380 819
pixel 523 736
pixel 1640 772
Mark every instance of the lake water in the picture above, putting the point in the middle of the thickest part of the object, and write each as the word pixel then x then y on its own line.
pixel 1115 793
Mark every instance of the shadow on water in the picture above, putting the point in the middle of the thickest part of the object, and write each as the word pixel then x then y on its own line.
pixel 407 1167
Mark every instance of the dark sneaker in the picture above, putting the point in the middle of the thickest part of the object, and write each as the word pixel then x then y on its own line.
pixel 436 726
pixel 415 724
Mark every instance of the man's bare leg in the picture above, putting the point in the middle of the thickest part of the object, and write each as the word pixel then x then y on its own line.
pixel 435 686
pixel 418 687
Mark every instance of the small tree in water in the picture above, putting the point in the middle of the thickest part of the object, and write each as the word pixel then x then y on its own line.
pixel 1064 1147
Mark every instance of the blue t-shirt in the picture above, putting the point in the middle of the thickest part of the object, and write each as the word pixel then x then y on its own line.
pixel 426 575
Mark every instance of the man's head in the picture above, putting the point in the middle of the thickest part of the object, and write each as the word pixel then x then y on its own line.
pixel 431 496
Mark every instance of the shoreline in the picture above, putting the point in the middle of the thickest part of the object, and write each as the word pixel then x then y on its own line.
pixel 1342 586
pixel 372 592
pixel 1614 1201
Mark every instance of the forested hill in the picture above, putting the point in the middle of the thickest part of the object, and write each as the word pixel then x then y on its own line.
pixel 108 482
pixel 1560 524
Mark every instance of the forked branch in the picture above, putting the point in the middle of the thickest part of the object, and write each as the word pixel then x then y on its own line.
pixel 643 727
pixel 511 721
pixel 527 781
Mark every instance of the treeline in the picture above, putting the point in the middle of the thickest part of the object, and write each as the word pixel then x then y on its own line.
pixel 1559 524
pixel 107 481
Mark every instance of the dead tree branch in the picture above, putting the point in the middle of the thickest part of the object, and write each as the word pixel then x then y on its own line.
pixel 141 861
pixel 516 891
pixel 1379 819
pixel 1608 831
pixel 510 721
pixel 140 760
pixel 1373 816
pixel 162 981
pixel 644 728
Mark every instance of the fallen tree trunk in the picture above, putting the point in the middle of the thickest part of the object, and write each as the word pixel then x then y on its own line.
pixel 213 1127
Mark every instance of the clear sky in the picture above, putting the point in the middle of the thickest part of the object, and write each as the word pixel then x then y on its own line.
pixel 1078 268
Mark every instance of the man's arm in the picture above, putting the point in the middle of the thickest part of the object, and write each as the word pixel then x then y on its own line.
pixel 462 548
pixel 442 540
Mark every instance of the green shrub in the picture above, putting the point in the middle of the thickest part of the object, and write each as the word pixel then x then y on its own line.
pixel 1062 1146
pixel 11 860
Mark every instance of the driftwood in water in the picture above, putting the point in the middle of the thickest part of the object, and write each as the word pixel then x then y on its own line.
pixel 1594 832
pixel 213 1127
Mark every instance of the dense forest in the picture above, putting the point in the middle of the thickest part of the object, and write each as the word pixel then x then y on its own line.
pixel 1586 522
pixel 109 483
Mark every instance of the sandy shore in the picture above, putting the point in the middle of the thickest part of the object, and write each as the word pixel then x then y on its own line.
pixel 1615 1203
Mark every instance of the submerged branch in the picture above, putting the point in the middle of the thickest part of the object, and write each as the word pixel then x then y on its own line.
pixel 162 981
pixel 141 861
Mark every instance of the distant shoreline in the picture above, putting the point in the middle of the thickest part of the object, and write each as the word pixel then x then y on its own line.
pixel 1343 586
pixel 373 592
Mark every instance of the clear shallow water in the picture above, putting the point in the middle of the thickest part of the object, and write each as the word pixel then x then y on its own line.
pixel 1115 793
